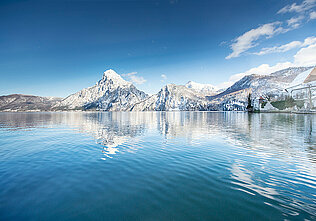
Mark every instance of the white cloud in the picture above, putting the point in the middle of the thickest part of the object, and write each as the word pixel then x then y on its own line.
pixel 309 41
pixel 283 48
pixel 263 69
pixel 247 40
pixel 138 80
pixel 135 79
pixel 298 8
pixel 295 22
pixel 306 56
pixel 312 15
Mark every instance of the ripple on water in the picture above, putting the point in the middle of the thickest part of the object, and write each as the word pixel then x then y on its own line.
pixel 157 165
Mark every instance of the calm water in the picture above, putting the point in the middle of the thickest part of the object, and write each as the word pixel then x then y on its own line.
pixel 157 166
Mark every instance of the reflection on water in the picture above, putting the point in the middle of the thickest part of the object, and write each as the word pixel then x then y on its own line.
pixel 282 133
pixel 268 157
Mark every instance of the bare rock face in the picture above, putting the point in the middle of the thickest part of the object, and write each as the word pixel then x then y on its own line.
pixel 111 93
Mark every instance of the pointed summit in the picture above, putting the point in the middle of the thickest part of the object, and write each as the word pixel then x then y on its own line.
pixel 111 75
pixel 111 93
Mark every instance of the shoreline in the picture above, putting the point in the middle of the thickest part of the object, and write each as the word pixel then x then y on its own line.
pixel 77 111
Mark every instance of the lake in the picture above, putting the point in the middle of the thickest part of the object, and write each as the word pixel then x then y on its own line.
pixel 157 166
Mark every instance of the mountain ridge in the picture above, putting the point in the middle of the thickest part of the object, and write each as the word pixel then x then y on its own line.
pixel 113 93
pixel 21 102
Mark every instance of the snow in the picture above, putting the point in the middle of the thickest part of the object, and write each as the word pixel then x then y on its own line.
pixel 114 77
pixel 206 89
pixel 300 78
pixel 173 98
pixel 113 93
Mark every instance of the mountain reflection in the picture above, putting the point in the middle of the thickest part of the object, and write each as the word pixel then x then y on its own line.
pixel 281 134
pixel 270 157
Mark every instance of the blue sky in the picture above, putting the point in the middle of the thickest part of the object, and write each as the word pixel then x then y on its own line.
pixel 55 48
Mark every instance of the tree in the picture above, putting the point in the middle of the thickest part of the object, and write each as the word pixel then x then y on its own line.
pixel 249 106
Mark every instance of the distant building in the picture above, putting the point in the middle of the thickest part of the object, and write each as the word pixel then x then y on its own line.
pixel 258 102
pixel 303 88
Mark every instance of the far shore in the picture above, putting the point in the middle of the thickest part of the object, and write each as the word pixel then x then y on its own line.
pixel 87 111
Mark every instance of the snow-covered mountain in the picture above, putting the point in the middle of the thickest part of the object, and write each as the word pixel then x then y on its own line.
pixel 262 84
pixel 174 97
pixel 21 102
pixel 235 97
pixel 206 89
pixel 111 93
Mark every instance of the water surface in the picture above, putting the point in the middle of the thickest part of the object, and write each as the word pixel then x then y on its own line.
pixel 157 166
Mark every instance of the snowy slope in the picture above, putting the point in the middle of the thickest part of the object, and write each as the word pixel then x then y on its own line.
pixel 206 89
pixel 111 93
pixel 174 98
pixel 300 78
pixel 258 85
pixel 21 102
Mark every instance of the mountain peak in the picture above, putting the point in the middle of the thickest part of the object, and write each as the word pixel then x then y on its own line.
pixel 115 77
pixel 111 74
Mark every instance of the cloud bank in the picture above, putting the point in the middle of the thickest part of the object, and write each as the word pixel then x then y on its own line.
pixel 250 38
pixel 286 47
pixel 306 56
pixel 298 8
pixel 247 40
